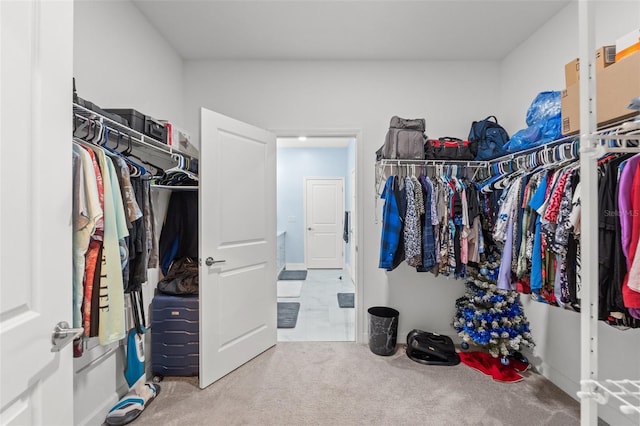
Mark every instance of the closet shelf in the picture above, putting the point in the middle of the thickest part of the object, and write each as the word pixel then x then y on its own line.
pixel 138 144
pixel 624 137
pixel 627 392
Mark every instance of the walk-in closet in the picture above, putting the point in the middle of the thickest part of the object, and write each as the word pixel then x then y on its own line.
pixel 233 76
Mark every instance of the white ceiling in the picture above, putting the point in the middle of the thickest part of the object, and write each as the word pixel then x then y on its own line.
pixel 347 30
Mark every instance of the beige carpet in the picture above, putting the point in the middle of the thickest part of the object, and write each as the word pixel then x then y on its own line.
pixel 327 383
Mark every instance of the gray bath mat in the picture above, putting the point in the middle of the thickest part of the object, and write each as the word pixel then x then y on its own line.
pixel 345 300
pixel 292 275
pixel 288 314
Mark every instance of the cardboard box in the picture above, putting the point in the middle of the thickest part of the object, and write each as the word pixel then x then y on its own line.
pixel 570 102
pixel 572 72
pixel 605 56
pixel 616 85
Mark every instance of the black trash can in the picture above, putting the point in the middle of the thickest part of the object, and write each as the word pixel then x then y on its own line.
pixel 383 330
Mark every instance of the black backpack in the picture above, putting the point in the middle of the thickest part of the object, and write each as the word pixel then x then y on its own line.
pixel 487 139
pixel 431 348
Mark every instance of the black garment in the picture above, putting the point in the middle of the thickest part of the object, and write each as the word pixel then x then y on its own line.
pixel 137 270
pixel 473 205
pixel 401 200
pixel 345 232
pixel 179 235
pixel 608 290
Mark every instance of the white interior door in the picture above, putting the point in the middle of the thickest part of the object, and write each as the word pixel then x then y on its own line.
pixel 238 301
pixel 36 60
pixel 324 218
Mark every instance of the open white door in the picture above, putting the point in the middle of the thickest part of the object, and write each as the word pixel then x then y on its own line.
pixel 324 218
pixel 238 301
pixel 36 60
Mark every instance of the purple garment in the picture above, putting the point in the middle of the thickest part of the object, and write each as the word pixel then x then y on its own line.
pixel 504 276
pixel 624 202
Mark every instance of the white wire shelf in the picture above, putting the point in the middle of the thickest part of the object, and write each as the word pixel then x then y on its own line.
pixel 626 392
pixel 137 143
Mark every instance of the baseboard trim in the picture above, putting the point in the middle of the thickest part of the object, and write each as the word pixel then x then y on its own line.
pixel 98 416
pixel 295 267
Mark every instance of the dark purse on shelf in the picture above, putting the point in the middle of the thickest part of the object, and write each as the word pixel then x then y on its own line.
pixel 181 278
pixel 448 148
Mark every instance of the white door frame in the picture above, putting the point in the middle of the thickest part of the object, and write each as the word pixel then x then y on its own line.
pixel 306 179
pixel 353 219
pixel 356 133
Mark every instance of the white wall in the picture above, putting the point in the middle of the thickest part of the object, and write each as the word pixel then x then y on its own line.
pixel 537 65
pixel 357 95
pixel 120 60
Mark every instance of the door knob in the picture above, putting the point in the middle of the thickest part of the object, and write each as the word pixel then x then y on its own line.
pixel 63 335
pixel 310 229
pixel 209 261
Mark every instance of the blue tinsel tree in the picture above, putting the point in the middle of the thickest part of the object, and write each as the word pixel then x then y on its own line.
pixel 492 318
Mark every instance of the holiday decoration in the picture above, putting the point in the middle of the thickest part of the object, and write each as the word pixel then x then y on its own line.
pixel 492 318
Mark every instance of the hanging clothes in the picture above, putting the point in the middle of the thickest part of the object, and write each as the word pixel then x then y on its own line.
pixel 179 235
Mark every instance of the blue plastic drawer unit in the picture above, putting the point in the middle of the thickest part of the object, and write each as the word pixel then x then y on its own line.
pixel 175 347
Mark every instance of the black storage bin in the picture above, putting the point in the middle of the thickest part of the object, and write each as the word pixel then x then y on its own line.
pixel 142 123
pixel 135 118
pixel 383 330
pixel 155 129
pixel 105 113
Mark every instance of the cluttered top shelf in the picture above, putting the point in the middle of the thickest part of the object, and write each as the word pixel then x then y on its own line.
pixel 87 124
pixel 617 136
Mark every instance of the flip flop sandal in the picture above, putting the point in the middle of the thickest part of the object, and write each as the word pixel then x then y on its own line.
pixel 130 407
pixel 155 388
pixel 125 411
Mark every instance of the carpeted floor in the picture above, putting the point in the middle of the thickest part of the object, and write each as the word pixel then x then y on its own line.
pixel 336 383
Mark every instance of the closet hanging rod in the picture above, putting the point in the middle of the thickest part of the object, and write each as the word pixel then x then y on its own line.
pixel 509 157
pixel 460 163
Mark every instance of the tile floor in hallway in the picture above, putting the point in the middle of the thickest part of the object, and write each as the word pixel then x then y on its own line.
pixel 320 318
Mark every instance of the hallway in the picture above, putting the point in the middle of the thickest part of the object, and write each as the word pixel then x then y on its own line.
pixel 320 318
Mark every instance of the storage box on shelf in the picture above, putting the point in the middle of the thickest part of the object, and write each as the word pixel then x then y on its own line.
pixel 616 85
pixel 180 140
pixel 605 56
pixel 142 123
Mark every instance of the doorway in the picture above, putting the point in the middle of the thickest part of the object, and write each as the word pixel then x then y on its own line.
pixel 314 236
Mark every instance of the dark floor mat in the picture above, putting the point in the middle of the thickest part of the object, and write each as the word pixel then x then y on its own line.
pixel 288 314
pixel 345 300
pixel 292 275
